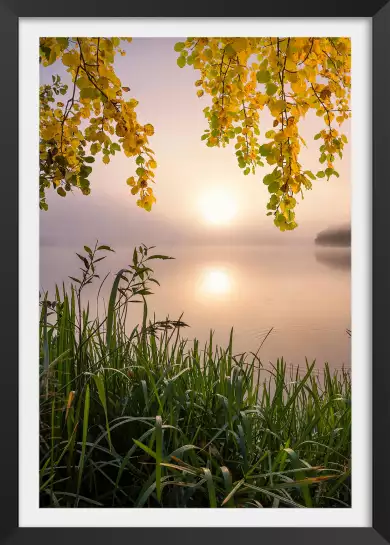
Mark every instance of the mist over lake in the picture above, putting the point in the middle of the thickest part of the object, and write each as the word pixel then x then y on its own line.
pixel 300 291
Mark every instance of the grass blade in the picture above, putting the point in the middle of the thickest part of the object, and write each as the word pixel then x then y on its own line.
pixel 84 440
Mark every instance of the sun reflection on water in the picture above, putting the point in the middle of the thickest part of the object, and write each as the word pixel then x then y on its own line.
pixel 216 282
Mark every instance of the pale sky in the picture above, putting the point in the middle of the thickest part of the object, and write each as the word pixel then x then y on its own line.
pixel 188 172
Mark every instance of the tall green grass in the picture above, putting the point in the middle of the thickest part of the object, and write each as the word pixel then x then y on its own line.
pixel 146 419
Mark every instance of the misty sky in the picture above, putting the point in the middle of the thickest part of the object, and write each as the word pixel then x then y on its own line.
pixel 188 172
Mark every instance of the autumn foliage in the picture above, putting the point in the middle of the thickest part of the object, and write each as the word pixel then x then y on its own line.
pixel 96 121
pixel 241 77
pixel 287 76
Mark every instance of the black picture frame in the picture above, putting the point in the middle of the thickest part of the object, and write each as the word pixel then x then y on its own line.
pixel 379 533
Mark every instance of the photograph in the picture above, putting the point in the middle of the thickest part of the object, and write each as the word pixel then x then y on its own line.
pixel 195 320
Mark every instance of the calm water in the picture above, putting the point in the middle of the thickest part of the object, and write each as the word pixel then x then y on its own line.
pixel 303 293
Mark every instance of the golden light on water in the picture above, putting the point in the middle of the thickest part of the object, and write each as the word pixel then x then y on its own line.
pixel 217 206
pixel 216 282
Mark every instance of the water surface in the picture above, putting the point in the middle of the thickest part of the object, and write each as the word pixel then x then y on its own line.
pixel 303 293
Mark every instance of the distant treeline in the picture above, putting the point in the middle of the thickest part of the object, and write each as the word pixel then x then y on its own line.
pixel 340 236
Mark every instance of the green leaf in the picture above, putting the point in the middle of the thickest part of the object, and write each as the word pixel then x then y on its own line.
pixel 268 179
pixel 179 46
pixel 265 150
pixel 64 42
pixel 158 456
pixel 214 123
pixel 143 292
pixel 230 51
pixel 83 83
pixel 145 448
pixel 102 396
pixel 88 249
pixel 61 191
pixel 157 256
pixel 111 308
pixel 46 51
pixel 89 92
pixel 310 174
pixel 274 187
pixel 271 89
pixel 89 159
pixel 85 171
pixel 84 439
pixel 320 174
pixel 300 475
pixel 210 488
pixel 105 248
pixel 263 76
pixel 181 61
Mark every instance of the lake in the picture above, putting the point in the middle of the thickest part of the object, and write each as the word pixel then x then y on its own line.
pixel 301 292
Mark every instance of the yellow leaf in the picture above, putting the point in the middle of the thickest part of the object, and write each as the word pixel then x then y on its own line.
pixel 70 59
pixel 291 65
pixel 83 83
pixel 280 136
pixel 120 129
pixel 149 129
pixel 240 44
pixel 277 107
pixel 295 187
pixel 106 159
pixel 290 131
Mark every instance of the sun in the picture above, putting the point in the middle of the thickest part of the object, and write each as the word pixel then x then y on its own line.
pixel 218 207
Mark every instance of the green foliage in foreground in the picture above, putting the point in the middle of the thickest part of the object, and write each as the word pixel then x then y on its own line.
pixel 147 420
